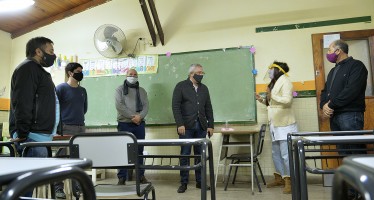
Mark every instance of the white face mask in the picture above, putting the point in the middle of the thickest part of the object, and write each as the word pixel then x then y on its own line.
pixel 271 73
pixel 132 80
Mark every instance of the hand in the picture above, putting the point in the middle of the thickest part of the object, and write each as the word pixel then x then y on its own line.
pixel 181 130
pixel 327 111
pixel 136 119
pixel 210 132
pixel 18 140
pixel 258 97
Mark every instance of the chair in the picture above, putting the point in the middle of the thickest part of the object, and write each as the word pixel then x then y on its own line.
pixel 246 157
pixel 100 147
pixel 8 145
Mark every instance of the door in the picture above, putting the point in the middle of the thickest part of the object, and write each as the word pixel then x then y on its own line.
pixel 361 47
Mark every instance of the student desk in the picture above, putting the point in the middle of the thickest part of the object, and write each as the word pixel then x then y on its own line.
pixel 358 172
pixel 206 156
pixel 225 144
pixel 20 174
pixel 298 165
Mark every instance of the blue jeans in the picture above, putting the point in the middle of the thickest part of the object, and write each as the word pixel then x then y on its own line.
pixel 197 132
pixel 348 121
pixel 280 157
pixel 40 152
pixel 139 132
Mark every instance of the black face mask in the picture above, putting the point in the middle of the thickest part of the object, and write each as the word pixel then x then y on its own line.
pixel 78 76
pixel 198 78
pixel 47 59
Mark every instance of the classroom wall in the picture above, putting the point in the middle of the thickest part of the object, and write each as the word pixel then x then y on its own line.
pixel 5 66
pixel 199 25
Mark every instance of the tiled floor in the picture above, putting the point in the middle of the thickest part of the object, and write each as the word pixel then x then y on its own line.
pixel 241 190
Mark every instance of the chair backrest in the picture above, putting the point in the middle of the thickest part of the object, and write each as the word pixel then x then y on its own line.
pixel 261 137
pixel 106 150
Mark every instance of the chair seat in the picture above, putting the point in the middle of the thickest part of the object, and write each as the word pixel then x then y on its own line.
pixel 117 190
pixel 244 157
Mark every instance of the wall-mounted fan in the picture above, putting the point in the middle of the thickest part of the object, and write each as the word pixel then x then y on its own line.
pixel 109 40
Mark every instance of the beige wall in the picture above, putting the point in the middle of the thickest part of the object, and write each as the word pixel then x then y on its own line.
pixel 5 66
pixel 198 25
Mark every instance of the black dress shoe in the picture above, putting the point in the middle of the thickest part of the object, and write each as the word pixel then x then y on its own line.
pixel 182 188
pixel 121 181
pixel 198 185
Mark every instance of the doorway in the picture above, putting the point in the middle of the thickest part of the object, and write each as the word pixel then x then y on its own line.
pixel 361 47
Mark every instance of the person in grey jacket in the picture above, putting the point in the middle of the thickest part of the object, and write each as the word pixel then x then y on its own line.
pixel 132 107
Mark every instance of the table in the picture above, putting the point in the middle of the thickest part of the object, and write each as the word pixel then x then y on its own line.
pixel 297 154
pixel 12 167
pixel 14 171
pixel 206 156
pixel 358 172
pixel 225 144
pixel 61 141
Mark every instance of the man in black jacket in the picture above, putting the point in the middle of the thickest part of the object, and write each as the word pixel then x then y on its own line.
pixel 34 110
pixel 343 98
pixel 193 114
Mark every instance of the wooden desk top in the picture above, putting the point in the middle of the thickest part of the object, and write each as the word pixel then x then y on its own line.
pixel 238 130
pixel 62 137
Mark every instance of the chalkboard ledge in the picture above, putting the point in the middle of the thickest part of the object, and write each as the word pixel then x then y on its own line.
pixel 244 123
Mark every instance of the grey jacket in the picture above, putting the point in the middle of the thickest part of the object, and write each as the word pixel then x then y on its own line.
pixel 126 104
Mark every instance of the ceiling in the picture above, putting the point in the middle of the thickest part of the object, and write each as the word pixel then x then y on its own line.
pixel 42 13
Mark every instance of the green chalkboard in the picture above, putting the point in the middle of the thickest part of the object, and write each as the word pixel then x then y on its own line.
pixel 228 77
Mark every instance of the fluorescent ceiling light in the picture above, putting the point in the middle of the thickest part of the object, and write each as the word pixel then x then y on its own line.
pixel 14 5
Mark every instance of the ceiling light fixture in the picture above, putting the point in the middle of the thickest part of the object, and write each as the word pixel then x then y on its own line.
pixel 14 5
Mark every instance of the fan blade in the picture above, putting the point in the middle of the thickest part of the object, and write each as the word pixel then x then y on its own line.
pixel 109 31
pixel 101 46
pixel 116 46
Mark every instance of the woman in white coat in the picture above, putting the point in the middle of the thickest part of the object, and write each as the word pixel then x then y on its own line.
pixel 282 121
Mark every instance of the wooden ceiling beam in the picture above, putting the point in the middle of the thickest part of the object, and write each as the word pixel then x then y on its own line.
pixel 57 17
pixel 148 20
pixel 156 20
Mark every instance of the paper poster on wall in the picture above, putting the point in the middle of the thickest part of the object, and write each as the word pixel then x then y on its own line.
pixel 144 64
pixel 327 39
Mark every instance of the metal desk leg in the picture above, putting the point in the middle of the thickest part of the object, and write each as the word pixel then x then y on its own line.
pixel 297 172
pixel 203 171
pixel 251 141
pixel 211 172
pixel 292 167
pixel 303 181
pixel 219 158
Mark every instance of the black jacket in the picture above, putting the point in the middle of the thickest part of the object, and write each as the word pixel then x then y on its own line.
pixel 189 105
pixel 33 100
pixel 347 91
